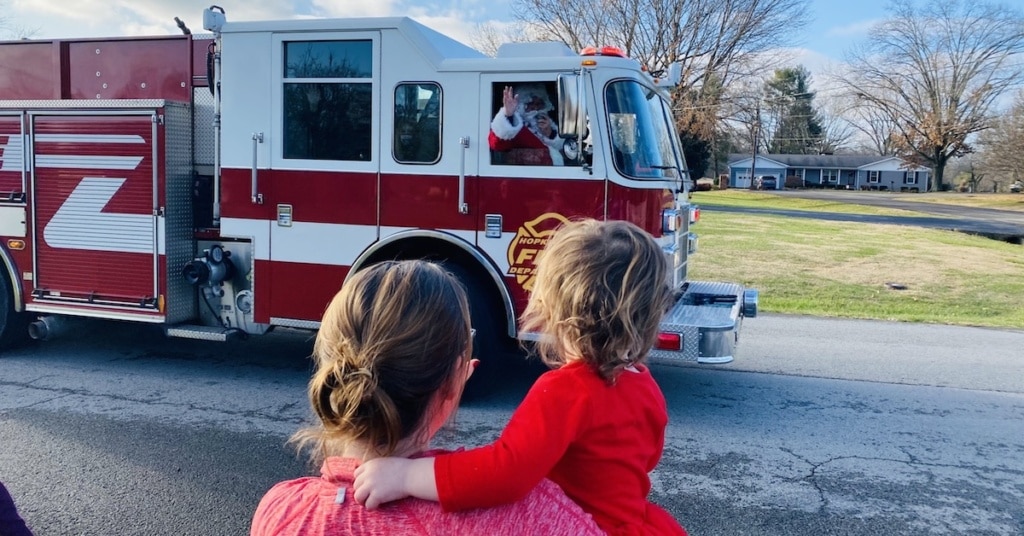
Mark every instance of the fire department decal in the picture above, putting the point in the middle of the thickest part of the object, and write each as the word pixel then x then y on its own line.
pixel 528 245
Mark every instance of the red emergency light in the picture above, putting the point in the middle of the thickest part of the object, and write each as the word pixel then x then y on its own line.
pixel 669 341
pixel 603 51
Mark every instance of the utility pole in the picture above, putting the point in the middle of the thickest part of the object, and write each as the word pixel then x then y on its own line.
pixel 757 136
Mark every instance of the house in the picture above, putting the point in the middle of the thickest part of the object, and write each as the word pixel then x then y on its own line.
pixel 846 171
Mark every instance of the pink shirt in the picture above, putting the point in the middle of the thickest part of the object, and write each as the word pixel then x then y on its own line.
pixel 325 505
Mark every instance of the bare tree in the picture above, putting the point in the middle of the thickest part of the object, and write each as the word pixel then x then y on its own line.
pixel 973 176
pixel 967 173
pixel 715 42
pixel 934 72
pixel 10 30
pixel 836 132
pixel 877 127
pixel 1002 146
pixel 488 37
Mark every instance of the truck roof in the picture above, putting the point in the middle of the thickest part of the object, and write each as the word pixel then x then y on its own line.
pixel 430 41
pixel 442 51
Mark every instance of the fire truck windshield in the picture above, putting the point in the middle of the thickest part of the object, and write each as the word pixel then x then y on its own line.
pixel 642 142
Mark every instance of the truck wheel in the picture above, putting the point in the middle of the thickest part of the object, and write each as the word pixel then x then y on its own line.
pixel 13 325
pixel 491 345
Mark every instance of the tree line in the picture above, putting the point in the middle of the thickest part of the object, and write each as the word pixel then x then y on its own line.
pixel 929 84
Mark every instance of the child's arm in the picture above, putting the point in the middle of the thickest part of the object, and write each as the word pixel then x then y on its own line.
pixel 536 438
pixel 383 480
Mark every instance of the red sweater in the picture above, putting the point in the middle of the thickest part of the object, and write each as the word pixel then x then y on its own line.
pixel 597 441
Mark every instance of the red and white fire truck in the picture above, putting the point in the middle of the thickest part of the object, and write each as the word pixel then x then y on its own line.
pixel 227 183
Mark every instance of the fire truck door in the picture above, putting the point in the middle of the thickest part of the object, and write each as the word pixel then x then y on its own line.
pixel 323 185
pixel 12 158
pixel 94 188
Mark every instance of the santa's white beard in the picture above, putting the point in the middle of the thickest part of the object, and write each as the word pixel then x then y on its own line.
pixel 530 120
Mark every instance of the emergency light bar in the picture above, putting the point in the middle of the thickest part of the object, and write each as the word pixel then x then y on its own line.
pixel 603 51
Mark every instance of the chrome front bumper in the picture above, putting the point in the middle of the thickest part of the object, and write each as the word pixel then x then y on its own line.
pixel 707 317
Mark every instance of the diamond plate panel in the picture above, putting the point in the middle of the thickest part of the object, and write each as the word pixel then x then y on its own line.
pixel 205 137
pixel 179 239
pixel 114 105
pixel 690 351
pixel 691 320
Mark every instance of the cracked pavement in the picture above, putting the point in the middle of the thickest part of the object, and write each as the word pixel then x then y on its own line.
pixel 879 428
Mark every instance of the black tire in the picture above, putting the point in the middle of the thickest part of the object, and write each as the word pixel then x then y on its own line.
pixel 13 325
pixel 492 345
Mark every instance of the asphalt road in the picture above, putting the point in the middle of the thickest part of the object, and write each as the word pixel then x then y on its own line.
pixel 999 224
pixel 819 427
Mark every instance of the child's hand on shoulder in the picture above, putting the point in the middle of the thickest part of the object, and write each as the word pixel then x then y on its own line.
pixel 382 480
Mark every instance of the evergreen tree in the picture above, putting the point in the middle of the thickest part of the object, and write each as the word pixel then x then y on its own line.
pixel 794 125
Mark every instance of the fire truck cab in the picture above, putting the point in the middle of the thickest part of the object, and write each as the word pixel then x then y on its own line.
pixel 228 183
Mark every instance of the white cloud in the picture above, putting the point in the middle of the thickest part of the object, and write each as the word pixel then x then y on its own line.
pixel 456 19
pixel 111 18
pixel 854 29
pixel 355 8
pixel 814 61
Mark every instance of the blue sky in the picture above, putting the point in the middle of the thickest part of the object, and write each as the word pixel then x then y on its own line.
pixel 835 24
pixel 838 24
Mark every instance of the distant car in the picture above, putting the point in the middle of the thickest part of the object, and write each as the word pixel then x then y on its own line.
pixel 768 182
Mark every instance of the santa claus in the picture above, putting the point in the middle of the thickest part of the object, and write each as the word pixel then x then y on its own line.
pixel 523 131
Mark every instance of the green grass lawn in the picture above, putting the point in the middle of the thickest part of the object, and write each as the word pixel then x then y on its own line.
pixel 841 269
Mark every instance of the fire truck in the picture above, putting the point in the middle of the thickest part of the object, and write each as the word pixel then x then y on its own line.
pixel 225 184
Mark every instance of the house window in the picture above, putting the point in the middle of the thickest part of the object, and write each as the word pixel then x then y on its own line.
pixel 910 177
pixel 873 176
pixel 328 100
pixel 829 175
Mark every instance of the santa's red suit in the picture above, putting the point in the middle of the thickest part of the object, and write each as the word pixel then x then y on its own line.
pixel 523 146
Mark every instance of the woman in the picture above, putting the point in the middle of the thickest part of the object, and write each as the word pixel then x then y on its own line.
pixel 11 523
pixel 392 356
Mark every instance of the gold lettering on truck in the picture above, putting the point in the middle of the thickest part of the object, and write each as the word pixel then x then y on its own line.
pixel 528 245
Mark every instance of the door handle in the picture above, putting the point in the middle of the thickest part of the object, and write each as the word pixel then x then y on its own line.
pixel 257 197
pixel 463 206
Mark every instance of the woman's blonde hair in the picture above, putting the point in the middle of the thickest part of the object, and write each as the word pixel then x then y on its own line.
pixel 600 292
pixel 391 339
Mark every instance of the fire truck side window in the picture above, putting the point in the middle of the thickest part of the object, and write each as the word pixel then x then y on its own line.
pixel 417 123
pixel 529 136
pixel 328 97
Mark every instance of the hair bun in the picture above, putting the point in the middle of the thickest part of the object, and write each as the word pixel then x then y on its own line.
pixel 362 377
pixel 351 375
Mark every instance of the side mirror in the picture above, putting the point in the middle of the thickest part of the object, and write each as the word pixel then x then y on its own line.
pixel 670 77
pixel 571 110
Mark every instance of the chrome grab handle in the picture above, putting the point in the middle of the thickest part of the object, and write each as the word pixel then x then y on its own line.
pixel 463 206
pixel 257 198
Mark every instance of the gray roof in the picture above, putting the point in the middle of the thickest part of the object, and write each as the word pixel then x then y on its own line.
pixel 842 161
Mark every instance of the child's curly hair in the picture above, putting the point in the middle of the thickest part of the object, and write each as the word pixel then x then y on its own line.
pixel 599 295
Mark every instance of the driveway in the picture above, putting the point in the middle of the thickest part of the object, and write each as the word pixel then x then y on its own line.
pixel 1005 225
